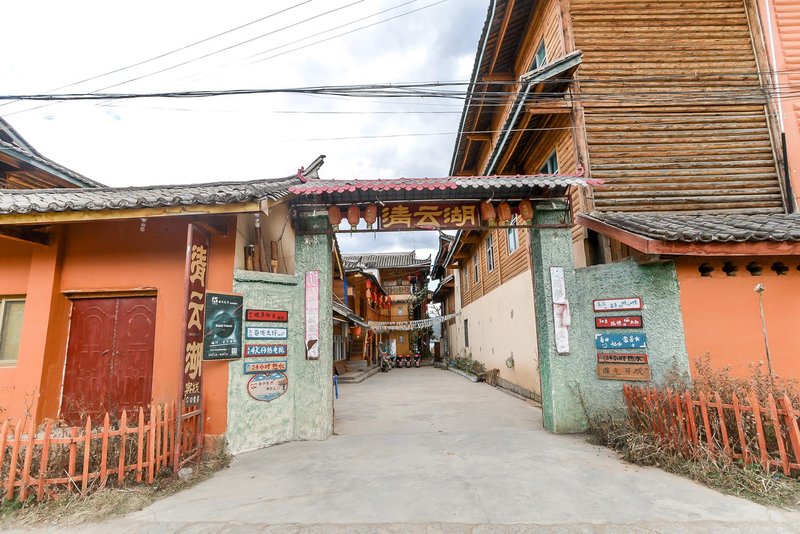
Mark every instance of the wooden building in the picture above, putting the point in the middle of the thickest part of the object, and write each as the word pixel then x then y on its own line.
pixel 666 109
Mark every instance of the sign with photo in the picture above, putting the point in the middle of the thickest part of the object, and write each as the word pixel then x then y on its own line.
pixel 223 327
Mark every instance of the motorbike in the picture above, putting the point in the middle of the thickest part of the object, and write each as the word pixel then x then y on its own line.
pixel 408 361
pixel 386 363
pixel 417 360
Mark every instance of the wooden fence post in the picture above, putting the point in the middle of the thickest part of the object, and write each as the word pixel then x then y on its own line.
pixel 44 460
pixel 690 417
pixel 706 424
pixel 123 442
pixel 12 468
pixel 151 445
pixel 104 452
pixel 726 445
pixel 140 449
pixel 73 456
pixel 762 442
pixel 25 479
pixel 791 425
pixel 776 424
pixel 87 447
pixel 737 413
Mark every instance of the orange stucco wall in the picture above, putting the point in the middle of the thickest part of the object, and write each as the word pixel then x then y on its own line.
pixel 107 257
pixel 722 319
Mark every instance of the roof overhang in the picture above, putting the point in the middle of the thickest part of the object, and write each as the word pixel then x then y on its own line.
pixel 659 247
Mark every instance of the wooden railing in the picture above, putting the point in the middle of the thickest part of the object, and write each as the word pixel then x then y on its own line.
pixel 87 458
pixel 743 428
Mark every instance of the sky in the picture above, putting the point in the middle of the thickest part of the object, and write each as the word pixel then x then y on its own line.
pixel 168 141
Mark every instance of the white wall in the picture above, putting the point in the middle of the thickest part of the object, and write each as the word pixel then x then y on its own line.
pixel 501 325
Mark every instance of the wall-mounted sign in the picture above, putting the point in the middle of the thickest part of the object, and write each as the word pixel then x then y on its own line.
pixel 621 304
pixel 633 340
pixel 267 316
pixel 409 216
pixel 623 371
pixel 260 349
pixel 197 248
pixel 627 321
pixel 622 358
pixel 253 368
pixel 263 332
pixel 312 315
pixel 267 386
pixel 222 339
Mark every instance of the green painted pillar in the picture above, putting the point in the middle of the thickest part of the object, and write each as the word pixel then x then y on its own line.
pixel 551 246
pixel 314 397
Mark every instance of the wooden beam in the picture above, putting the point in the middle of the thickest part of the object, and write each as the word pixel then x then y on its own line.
pixel 501 77
pixel 482 137
pixel 138 213
pixel 502 35
pixel 471 239
pixel 213 226
pixel 549 108
pixel 28 235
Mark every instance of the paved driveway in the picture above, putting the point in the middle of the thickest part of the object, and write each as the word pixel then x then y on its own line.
pixel 426 450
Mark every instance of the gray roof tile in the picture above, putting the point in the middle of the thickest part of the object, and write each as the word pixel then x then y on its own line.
pixel 385 260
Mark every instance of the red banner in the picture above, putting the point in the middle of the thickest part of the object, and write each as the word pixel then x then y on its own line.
pixel 414 215
pixel 196 266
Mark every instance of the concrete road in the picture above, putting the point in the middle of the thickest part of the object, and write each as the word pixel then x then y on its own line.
pixel 425 450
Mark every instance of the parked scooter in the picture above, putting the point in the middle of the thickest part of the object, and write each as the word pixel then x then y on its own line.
pixel 386 362
pixel 397 361
pixel 417 360
pixel 408 361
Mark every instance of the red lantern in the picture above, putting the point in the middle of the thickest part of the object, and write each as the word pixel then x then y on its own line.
pixel 370 215
pixel 369 284
pixel 488 213
pixel 353 216
pixel 526 210
pixel 504 212
pixel 334 216
pixel 369 293
pixel 358 331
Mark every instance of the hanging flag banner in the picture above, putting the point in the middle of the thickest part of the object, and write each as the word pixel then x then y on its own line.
pixel 222 339
pixel 411 216
pixel 408 325
pixel 312 315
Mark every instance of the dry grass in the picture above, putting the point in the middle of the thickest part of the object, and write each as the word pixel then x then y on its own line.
pixel 716 471
pixel 74 509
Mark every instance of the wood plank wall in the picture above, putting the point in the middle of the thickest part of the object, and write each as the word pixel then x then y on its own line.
pixel 698 152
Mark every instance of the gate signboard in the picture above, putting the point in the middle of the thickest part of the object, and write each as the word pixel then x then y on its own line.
pixel 426 216
pixel 196 265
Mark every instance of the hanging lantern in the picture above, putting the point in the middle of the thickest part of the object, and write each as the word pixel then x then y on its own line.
pixel 526 210
pixel 358 331
pixel 504 212
pixel 369 293
pixel 370 215
pixel 334 217
pixel 488 213
pixel 353 216
pixel 369 284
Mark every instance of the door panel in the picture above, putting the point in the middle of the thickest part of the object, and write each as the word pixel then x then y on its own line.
pixel 132 367
pixel 109 357
pixel 86 377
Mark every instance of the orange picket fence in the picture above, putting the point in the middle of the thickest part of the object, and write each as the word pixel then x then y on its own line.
pixel 87 458
pixel 743 428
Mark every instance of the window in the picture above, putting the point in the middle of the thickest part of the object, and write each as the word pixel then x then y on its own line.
pixel 490 253
pixel 511 237
pixel 11 311
pixel 466 333
pixel 551 165
pixel 477 268
pixel 540 59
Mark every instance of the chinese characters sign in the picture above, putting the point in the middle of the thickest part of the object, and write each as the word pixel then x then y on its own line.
pixel 636 340
pixel 196 266
pixel 268 386
pixel 622 358
pixel 623 371
pixel 223 327
pixel 607 305
pixel 253 368
pixel 257 349
pixel 274 316
pixel 312 315
pixel 628 321
pixel 263 332
pixel 409 216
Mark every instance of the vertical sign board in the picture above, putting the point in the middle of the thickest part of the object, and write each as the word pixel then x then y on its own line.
pixel 312 315
pixel 561 314
pixel 223 327
pixel 197 248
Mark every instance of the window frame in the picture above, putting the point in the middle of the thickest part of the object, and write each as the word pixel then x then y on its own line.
pixel 550 165
pixel 477 268
pixel 490 253
pixel 540 56
pixel 4 300
pixel 509 233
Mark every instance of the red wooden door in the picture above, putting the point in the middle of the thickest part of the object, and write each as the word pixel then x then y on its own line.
pixel 109 357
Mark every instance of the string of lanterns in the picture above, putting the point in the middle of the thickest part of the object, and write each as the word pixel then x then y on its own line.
pixel 382 301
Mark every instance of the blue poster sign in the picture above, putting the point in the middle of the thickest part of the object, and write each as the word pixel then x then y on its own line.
pixel 632 340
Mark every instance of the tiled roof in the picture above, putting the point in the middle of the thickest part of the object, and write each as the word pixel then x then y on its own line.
pixel 385 260
pixel 706 228
pixel 110 198
pixel 347 313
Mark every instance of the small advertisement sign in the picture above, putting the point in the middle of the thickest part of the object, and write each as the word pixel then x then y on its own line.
pixel 627 321
pixel 267 387
pixel 623 371
pixel 223 327
pixel 622 358
pixel 267 316
pixel 262 349
pixel 618 304
pixel 263 332
pixel 634 340
pixel 253 368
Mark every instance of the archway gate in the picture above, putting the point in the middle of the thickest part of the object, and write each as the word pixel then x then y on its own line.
pixel 539 202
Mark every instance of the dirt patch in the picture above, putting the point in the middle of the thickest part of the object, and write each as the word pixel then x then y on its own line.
pixel 73 509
